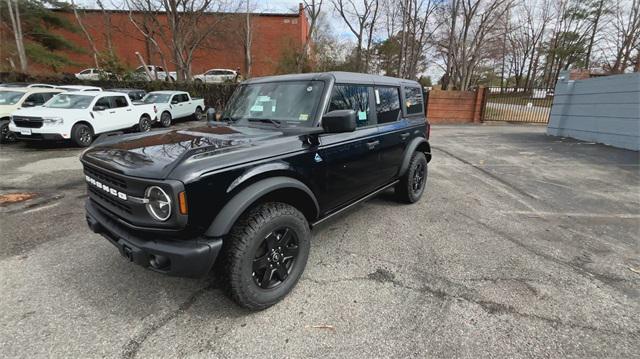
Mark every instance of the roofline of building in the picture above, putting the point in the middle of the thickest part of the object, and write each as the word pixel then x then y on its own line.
pixel 117 11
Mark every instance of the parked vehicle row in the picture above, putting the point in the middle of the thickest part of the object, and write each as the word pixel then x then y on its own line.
pixel 80 113
pixel 153 72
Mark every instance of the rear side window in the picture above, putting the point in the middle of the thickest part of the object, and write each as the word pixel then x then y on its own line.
pixel 47 96
pixel 413 100
pixel 120 101
pixel 387 104
pixel 352 97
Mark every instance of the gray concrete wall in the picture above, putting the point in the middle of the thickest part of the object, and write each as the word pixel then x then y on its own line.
pixel 602 109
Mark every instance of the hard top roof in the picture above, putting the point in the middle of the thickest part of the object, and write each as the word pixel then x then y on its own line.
pixel 167 92
pixel 339 77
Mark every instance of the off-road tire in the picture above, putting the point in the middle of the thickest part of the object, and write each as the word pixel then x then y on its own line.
pixel 144 125
pixel 6 136
pixel 82 135
pixel 165 119
pixel 408 190
pixel 239 251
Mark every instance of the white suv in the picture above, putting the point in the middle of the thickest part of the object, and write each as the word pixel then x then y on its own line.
pixel 80 116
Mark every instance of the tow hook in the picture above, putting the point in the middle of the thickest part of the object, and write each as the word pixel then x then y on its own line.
pixel 127 253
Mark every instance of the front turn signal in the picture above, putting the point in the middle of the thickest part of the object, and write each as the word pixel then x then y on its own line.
pixel 182 202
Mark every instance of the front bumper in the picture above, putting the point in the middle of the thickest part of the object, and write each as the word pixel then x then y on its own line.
pixel 38 134
pixel 184 258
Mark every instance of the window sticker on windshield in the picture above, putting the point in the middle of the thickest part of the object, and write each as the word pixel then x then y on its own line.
pixel 303 117
pixel 263 98
pixel 256 108
pixel 362 115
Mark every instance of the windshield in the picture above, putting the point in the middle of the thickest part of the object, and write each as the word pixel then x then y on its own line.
pixel 156 98
pixel 69 101
pixel 10 97
pixel 291 102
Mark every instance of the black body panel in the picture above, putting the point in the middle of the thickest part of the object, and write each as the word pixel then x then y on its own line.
pixel 225 168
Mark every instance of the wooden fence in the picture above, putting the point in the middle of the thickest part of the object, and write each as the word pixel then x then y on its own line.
pixel 455 106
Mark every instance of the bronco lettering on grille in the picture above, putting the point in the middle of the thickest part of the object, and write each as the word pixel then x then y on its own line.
pixel 104 187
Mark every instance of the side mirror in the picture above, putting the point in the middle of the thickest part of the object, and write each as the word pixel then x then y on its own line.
pixel 28 104
pixel 339 121
pixel 99 108
pixel 174 102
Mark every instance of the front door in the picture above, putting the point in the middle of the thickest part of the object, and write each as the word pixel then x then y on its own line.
pixel 347 163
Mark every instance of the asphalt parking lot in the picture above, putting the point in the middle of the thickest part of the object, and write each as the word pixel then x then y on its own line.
pixel 524 245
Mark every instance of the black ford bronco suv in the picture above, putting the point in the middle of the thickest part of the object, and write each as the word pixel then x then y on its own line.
pixel 241 195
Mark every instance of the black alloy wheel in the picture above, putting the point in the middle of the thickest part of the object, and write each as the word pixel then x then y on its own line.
pixel 165 119
pixel 7 136
pixel 145 124
pixel 418 177
pixel 275 257
pixel 198 114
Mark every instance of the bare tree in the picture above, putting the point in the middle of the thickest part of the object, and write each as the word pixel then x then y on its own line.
pixel 86 33
pixel 247 39
pixel 146 22
pixel 16 25
pixel 418 27
pixel 451 43
pixel 312 9
pixel 361 21
pixel 626 27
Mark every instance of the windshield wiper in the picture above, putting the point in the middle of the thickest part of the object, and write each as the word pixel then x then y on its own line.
pixel 266 120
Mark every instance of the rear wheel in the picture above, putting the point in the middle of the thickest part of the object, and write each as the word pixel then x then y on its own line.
pixel 198 114
pixel 165 119
pixel 412 184
pixel 82 135
pixel 144 124
pixel 6 136
pixel 265 255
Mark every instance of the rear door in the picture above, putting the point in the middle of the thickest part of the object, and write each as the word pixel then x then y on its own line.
pixel 392 127
pixel 347 163
pixel 122 114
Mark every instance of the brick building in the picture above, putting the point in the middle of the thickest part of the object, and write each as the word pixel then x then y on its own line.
pixel 274 36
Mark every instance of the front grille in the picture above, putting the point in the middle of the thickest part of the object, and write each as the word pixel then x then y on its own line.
pixel 105 177
pixel 109 199
pixel 27 122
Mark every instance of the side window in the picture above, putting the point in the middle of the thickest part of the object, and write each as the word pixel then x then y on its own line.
pixel 104 101
pixel 47 96
pixel 120 101
pixel 35 98
pixel 413 100
pixel 175 99
pixel 352 97
pixel 85 72
pixel 185 98
pixel 387 104
pixel 159 69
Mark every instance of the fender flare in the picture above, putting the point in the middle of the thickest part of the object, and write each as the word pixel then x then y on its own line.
pixel 229 214
pixel 411 148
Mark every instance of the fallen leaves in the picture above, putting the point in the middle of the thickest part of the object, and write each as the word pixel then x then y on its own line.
pixel 15 197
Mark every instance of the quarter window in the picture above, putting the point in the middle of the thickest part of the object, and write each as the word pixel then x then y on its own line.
pixel 387 104
pixel 352 97
pixel 36 99
pixel 413 100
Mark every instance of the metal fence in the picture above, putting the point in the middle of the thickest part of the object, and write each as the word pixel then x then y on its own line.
pixel 511 104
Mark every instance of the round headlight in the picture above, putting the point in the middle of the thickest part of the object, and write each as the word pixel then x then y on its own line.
pixel 159 203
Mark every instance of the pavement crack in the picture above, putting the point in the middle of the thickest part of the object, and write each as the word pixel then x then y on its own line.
pixel 133 345
pixel 382 275
pixel 488 173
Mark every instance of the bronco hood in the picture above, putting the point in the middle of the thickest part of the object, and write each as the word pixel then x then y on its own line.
pixel 155 154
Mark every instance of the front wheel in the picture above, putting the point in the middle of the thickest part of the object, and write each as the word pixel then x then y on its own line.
pixel 144 125
pixel 6 136
pixel 412 184
pixel 82 135
pixel 265 255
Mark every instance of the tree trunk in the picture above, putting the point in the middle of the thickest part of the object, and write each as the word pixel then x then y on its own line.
pixel 17 33
pixel 446 79
pixel 247 42
pixel 587 61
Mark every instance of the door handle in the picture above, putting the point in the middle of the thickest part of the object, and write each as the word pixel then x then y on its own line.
pixel 128 109
pixel 404 136
pixel 373 144
pixel 112 112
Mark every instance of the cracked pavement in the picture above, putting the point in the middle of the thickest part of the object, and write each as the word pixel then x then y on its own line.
pixel 523 245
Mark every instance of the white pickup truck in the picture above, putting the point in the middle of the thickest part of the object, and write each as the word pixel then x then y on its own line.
pixel 175 104
pixel 80 116
pixel 156 72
